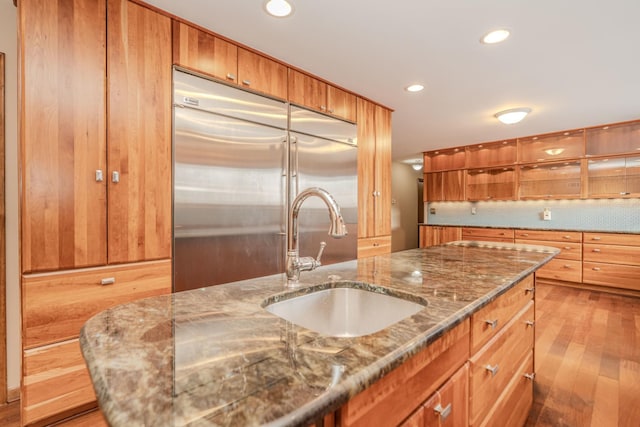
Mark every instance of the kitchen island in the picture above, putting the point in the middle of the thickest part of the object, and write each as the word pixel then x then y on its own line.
pixel 215 356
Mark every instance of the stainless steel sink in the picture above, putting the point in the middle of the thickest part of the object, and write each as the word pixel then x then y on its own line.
pixel 345 311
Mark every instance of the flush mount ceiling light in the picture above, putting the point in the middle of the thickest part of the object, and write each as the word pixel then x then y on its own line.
pixel 495 36
pixel 278 8
pixel 416 166
pixel 513 115
pixel 414 88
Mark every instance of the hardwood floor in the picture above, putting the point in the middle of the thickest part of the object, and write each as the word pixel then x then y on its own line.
pixel 587 362
pixel 587 359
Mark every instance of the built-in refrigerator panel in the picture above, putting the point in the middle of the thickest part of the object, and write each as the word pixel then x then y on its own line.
pixel 325 157
pixel 229 191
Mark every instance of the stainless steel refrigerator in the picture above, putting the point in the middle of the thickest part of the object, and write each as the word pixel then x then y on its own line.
pixel 239 160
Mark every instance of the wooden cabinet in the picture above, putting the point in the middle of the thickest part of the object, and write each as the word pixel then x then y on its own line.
pixel 491 184
pixel 441 160
pixel 449 405
pixel 262 74
pixel 63 142
pixel 374 171
pixel 310 92
pixel 612 260
pixel 567 265
pixel 502 235
pixel 396 396
pixel 67 182
pixel 444 186
pixel 372 246
pixel 96 171
pixel 557 146
pixel 551 180
pixel 486 155
pixel 139 133
pixel 432 235
pixel 205 53
pixel 614 177
pixel 619 138
pixel 499 363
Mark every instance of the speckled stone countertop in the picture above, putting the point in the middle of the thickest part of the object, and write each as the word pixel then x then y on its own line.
pixel 214 356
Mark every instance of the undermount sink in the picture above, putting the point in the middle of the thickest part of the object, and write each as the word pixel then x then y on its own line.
pixel 345 309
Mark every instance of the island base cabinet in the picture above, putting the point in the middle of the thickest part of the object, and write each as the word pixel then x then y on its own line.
pixel 396 396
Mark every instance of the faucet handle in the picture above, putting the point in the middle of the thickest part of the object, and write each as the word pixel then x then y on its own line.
pixel 322 246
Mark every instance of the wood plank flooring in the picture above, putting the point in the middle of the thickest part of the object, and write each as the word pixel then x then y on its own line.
pixel 587 362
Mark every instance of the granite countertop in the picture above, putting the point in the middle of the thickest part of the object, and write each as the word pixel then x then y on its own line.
pixel 214 356
pixel 510 227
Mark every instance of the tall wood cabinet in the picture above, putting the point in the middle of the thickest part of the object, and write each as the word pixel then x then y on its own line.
pixel 95 103
pixel 374 179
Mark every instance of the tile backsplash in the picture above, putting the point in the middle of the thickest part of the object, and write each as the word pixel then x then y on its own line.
pixel 618 215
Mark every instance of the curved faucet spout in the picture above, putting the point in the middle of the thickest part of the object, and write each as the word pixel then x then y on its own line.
pixel 337 229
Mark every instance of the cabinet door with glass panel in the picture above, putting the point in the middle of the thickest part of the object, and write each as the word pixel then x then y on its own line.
pixel 614 177
pixel 557 146
pixel 491 184
pixel 558 180
pixel 623 138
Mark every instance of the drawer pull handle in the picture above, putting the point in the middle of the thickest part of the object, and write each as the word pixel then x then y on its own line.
pixel 99 176
pixel 596 238
pixel 567 248
pixel 567 266
pixel 525 234
pixel 596 268
pixel 492 323
pixel 492 369
pixel 529 290
pixel 530 323
pixel 231 76
pixel 530 376
pixel 246 82
pixel 596 250
pixel 566 237
pixel 108 281
pixel 443 412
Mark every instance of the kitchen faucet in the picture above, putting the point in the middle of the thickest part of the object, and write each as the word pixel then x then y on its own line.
pixel 337 229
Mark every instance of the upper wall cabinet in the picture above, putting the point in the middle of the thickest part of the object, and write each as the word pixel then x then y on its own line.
pixel 202 52
pixel 501 153
pixel 551 180
pixel 63 134
pixel 205 53
pixel 313 93
pixel 441 160
pixel 614 177
pixel 491 184
pixel 613 139
pixel 557 146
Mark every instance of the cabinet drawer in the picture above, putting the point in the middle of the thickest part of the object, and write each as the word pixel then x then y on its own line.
pixel 56 383
pixel 616 275
pixel 450 404
pixel 557 236
pixel 372 246
pixel 513 406
pixel 395 397
pixel 488 321
pixel 495 365
pixel 473 233
pixel 613 254
pixel 562 269
pixel 572 251
pixel 56 305
pixel 613 239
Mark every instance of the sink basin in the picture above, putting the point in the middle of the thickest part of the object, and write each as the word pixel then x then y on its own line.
pixel 345 311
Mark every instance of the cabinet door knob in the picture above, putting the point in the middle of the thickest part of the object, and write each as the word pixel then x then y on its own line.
pixel 492 323
pixel 108 281
pixel 323 108
pixel 443 412
pixel 492 369
pixel 115 177
pixel 530 376
pixel 99 177
pixel 246 82
pixel 530 323
pixel 231 76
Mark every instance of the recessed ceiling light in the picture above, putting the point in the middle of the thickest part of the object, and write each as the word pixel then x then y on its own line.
pixel 495 36
pixel 278 8
pixel 414 88
pixel 513 115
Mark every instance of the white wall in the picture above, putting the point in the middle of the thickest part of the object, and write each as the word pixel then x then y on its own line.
pixel 9 45
pixel 404 206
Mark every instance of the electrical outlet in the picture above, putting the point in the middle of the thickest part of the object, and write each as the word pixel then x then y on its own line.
pixel 432 211
pixel 473 210
pixel 546 214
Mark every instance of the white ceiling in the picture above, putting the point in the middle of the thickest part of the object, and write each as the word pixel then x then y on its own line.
pixel 574 62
